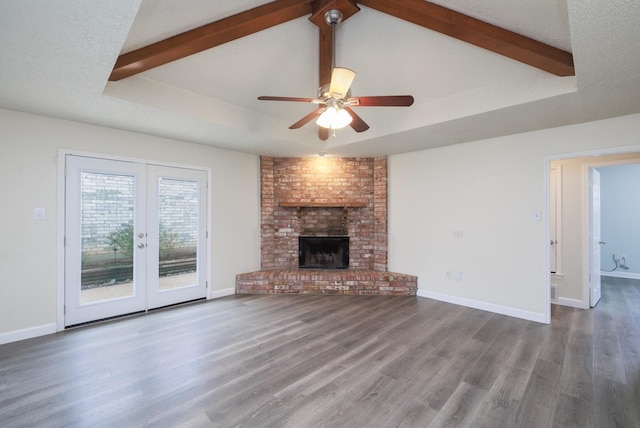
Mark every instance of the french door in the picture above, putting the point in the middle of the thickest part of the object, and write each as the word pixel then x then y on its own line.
pixel 135 237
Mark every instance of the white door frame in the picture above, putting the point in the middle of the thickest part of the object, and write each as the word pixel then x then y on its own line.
pixel 60 241
pixel 586 237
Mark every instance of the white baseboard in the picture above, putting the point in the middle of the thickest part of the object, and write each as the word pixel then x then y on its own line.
pixel 574 303
pixel 628 275
pixel 27 333
pixel 216 294
pixel 484 306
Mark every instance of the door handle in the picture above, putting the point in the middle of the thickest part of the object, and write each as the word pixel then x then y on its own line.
pixel 602 242
pixel 552 242
pixel 141 245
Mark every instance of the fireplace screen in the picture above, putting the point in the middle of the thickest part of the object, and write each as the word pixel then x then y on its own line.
pixel 329 252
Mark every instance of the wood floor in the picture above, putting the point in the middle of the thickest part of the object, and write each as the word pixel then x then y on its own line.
pixel 333 361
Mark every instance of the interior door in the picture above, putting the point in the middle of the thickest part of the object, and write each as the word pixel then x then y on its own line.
pixel 104 216
pixel 553 219
pixel 596 241
pixel 135 237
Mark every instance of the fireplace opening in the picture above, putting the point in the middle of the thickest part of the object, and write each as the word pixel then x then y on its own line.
pixel 328 252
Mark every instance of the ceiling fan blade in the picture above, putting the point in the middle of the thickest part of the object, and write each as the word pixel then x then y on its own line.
pixel 382 101
pixel 308 118
pixel 270 98
pixel 341 79
pixel 357 123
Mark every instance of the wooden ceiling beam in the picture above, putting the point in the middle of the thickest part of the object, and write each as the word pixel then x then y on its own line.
pixel 325 66
pixel 478 33
pixel 210 35
pixel 326 56
pixel 419 12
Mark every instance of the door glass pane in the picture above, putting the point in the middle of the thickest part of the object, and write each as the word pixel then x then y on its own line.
pixel 177 232
pixel 107 209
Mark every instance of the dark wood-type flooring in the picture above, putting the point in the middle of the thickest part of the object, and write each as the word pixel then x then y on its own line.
pixel 333 361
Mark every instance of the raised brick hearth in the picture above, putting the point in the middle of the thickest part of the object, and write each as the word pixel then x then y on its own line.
pixel 324 197
pixel 303 281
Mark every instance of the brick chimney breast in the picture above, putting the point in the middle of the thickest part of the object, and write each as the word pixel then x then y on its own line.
pixel 324 196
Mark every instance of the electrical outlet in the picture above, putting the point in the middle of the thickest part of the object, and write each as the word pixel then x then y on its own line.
pixel 448 274
pixel 458 234
pixel 621 260
pixel 457 276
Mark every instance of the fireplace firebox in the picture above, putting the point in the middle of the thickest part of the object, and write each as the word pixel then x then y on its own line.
pixel 323 252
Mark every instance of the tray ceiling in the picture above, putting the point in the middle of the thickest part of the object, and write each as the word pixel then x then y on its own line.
pixel 61 65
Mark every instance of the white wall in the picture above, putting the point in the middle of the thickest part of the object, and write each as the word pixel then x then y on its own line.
pixel 620 213
pixel 487 189
pixel 490 190
pixel 29 148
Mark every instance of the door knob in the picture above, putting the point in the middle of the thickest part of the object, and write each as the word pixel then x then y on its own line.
pixel 140 235
pixel 141 245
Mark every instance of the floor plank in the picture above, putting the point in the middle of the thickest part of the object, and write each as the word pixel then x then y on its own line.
pixel 333 361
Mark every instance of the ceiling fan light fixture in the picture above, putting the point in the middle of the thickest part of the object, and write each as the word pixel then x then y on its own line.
pixel 334 118
pixel 341 79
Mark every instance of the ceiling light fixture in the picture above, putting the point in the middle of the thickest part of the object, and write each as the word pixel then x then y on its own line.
pixel 334 118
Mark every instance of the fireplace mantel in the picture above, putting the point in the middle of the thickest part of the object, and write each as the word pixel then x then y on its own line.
pixel 344 205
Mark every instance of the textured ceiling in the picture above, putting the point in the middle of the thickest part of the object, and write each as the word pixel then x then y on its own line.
pixel 56 58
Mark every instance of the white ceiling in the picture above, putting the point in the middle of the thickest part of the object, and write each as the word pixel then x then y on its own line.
pixel 56 58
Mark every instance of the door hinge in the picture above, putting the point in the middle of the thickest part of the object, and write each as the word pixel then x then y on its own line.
pixel 206 284
pixel 64 309
pixel 207 234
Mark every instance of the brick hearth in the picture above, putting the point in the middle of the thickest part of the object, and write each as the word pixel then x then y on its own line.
pixel 303 281
pixel 324 197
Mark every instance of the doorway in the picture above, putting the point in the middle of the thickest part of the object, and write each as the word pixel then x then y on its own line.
pixel 580 259
pixel 135 237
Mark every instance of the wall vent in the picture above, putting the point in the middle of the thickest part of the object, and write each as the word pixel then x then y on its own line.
pixel 554 293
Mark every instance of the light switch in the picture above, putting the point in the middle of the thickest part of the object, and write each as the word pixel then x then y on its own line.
pixel 39 214
pixel 535 216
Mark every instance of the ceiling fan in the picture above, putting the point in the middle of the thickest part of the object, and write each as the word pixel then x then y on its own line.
pixel 335 100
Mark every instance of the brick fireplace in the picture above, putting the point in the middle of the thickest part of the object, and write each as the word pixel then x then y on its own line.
pixel 324 197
